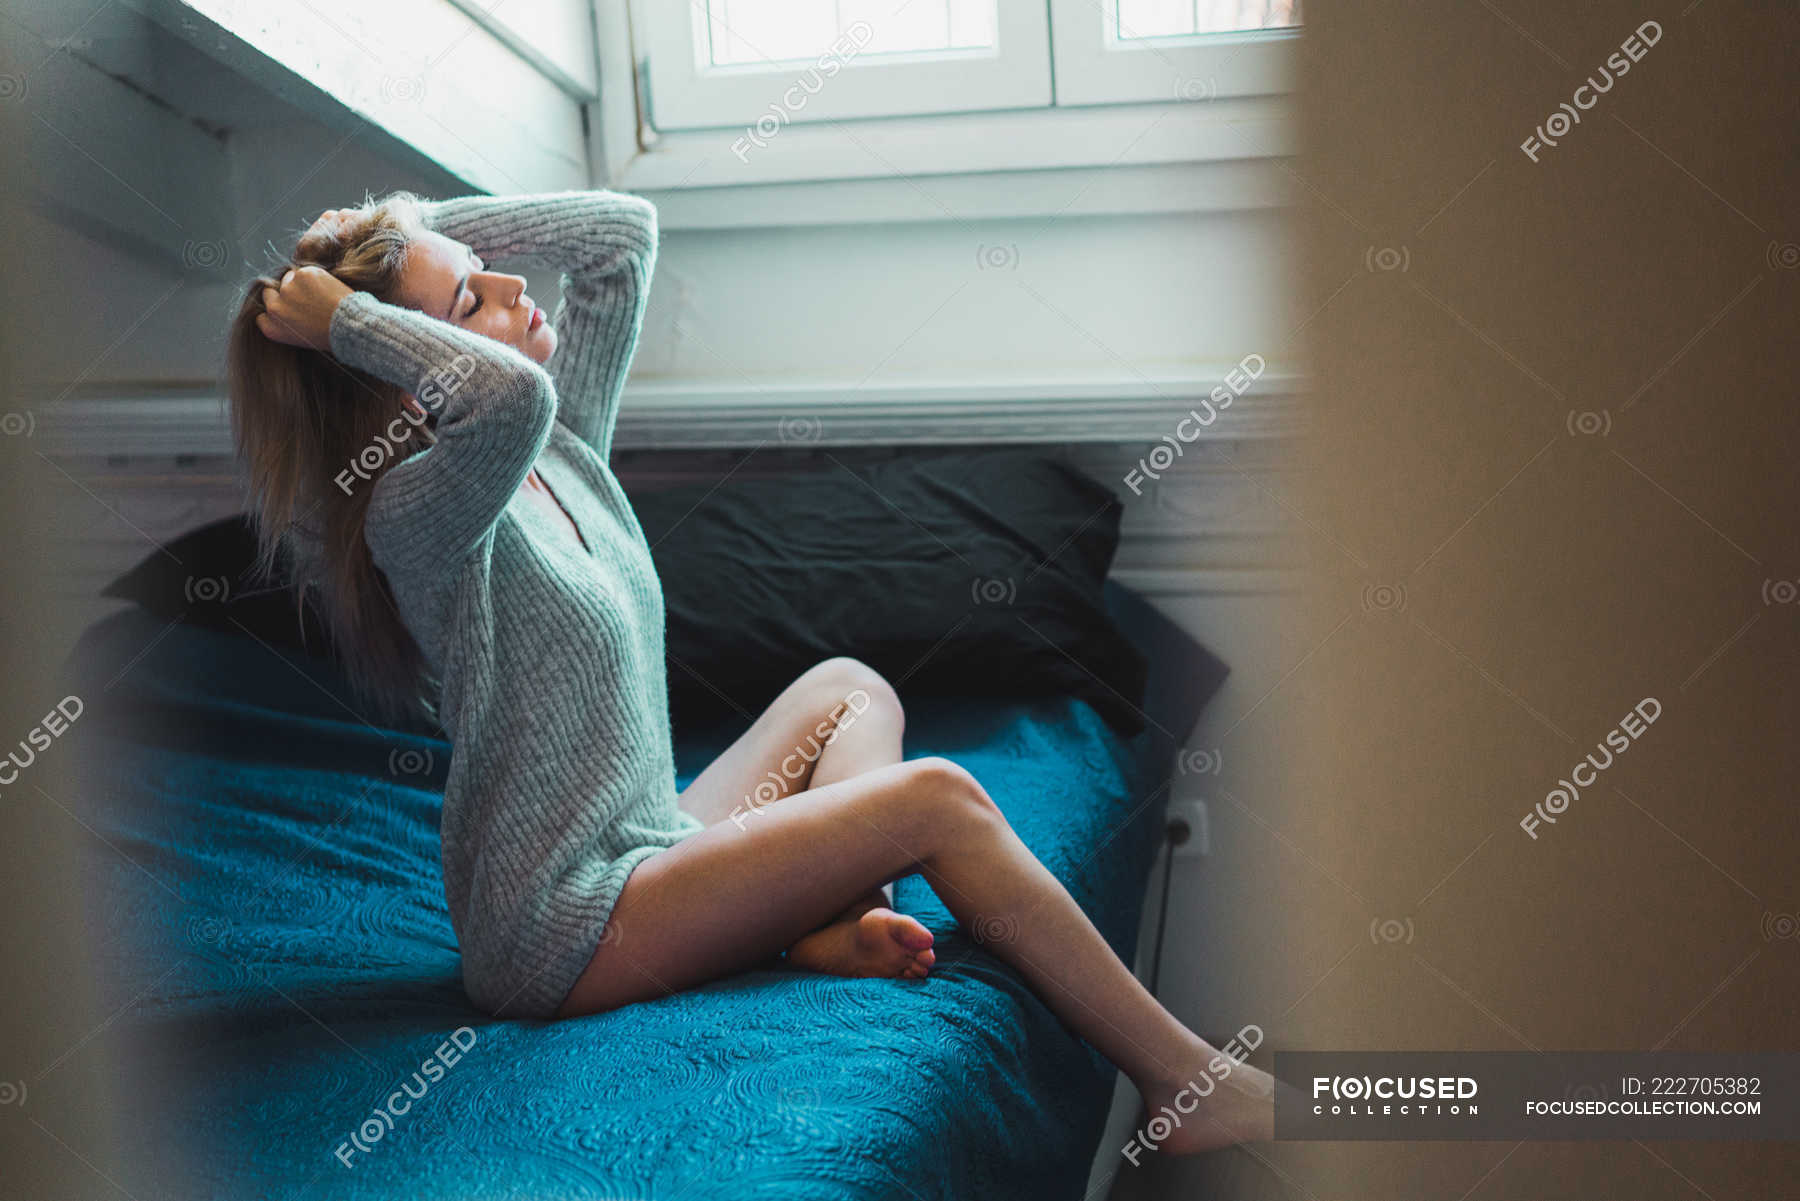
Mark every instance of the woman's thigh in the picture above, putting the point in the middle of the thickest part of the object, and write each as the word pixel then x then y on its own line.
pixel 727 898
pixel 775 757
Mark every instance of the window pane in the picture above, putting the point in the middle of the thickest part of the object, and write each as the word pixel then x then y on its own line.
pixel 1173 18
pixel 761 31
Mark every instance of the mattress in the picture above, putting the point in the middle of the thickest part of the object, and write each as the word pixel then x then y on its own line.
pixel 263 892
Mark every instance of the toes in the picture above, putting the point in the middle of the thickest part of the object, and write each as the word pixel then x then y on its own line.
pixel 925 958
pixel 910 934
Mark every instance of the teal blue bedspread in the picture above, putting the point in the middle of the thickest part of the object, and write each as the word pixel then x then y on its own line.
pixel 267 913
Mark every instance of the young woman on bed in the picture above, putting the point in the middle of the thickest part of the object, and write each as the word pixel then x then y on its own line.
pixel 427 451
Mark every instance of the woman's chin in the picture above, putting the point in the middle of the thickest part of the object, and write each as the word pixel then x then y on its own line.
pixel 540 344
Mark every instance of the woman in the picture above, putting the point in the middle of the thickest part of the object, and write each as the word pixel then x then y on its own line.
pixel 428 451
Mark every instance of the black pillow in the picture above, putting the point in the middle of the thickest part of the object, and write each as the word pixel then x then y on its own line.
pixel 963 573
pixel 966 573
pixel 203 578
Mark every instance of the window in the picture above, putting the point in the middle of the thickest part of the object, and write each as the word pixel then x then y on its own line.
pixel 715 63
pixel 735 62
pixel 1143 50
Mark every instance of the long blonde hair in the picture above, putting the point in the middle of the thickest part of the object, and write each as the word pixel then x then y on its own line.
pixel 299 418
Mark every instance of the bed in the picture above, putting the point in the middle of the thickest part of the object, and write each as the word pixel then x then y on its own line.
pixel 264 894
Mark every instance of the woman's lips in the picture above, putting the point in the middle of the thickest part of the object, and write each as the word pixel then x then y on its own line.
pixel 537 317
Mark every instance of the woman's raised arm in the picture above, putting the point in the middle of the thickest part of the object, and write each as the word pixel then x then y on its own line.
pixel 494 409
pixel 605 243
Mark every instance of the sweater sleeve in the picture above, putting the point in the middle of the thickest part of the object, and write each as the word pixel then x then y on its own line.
pixel 494 408
pixel 605 242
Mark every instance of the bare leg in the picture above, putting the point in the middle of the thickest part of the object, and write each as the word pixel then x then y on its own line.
pixel 837 720
pixel 725 898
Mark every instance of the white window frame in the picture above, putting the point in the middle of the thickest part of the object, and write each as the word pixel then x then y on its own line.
pixel 1093 66
pixel 1217 155
pixel 686 92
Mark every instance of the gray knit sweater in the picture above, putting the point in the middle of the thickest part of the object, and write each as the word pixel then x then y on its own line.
pixel 554 692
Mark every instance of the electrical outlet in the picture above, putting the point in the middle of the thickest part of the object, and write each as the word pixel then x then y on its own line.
pixel 1193 811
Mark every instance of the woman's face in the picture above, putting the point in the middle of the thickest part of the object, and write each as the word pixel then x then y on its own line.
pixel 445 278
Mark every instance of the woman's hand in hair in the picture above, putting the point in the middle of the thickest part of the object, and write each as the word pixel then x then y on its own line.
pixel 299 312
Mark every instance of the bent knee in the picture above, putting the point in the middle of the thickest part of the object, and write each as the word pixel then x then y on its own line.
pixel 849 682
pixel 953 787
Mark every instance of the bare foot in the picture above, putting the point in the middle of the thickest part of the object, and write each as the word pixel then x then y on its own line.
pixel 1239 1109
pixel 879 943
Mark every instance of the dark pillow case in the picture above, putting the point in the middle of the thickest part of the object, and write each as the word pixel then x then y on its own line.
pixel 967 573
pixel 204 579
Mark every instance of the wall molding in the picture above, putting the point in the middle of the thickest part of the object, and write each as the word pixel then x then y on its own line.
pixel 692 415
